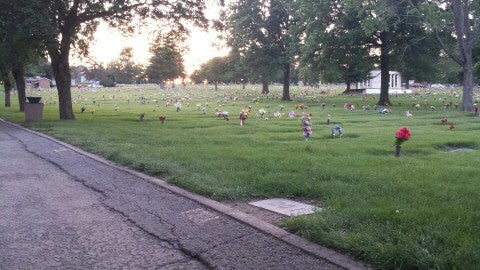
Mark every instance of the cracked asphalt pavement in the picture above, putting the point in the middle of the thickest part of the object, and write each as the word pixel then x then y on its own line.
pixel 61 209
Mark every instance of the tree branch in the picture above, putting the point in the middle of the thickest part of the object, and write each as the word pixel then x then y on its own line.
pixel 87 16
pixel 455 57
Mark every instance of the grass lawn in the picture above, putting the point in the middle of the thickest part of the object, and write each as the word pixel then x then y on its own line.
pixel 417 211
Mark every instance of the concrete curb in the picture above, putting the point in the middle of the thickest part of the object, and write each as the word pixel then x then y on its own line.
pixel 265 227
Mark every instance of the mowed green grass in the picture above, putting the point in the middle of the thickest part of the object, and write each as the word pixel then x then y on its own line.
pixel 418 211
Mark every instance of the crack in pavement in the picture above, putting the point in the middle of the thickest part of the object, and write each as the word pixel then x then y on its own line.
pixel 174 244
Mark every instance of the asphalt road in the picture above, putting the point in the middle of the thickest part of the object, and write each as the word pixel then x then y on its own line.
pixel 61 209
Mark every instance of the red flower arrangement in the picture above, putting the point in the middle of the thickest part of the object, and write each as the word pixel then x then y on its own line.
pixel 451 127
pixel 162 118
pixel 402 135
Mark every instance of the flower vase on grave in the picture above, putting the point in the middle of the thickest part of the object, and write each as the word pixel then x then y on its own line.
pixel 401 135
pixel 397 150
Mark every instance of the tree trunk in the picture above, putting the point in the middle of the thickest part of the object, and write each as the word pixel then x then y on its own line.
pixel 286 82
pixel 265 89
pixel 19 75
pixel 216 86
pixel 467 104
pixel 7 84
pixel 384 99
pixel 8 90
pixel 466 41
pixel 61 70
pixel 348 87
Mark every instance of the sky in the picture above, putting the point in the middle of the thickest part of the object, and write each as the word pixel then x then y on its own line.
pixel 203 45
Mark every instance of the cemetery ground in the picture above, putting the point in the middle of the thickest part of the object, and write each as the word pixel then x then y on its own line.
pixel 419 210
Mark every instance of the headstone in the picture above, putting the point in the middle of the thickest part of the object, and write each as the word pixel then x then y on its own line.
pixel 286 207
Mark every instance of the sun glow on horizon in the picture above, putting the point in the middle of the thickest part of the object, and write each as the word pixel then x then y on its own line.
pixel 109 42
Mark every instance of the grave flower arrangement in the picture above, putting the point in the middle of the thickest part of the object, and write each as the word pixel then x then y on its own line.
pixel 401 135
pixel 162 118
pixel 262 112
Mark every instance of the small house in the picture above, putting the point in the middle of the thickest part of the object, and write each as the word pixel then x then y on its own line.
pixel 37 82
pixel 372 85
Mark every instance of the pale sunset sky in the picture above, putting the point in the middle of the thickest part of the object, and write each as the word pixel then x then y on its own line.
pixel 108 43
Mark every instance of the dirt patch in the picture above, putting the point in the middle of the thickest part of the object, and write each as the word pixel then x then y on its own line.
pixel 467 146
pixel 461 149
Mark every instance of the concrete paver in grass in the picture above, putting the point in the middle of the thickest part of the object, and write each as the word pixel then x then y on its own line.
pixel 286 207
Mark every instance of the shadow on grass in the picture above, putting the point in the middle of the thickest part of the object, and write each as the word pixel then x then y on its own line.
pixel 409 152
pixel 344 136
pixel 458 146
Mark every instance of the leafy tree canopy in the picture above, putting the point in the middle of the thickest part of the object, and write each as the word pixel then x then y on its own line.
pixel 124 70
pixel 166 63
pixel 258 34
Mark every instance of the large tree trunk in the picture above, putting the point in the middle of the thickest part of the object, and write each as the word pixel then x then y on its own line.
pixel 19 75
pixel 265 89
pixel 61 70
pixel 467 104
pixel 7 84
pixel 59 54
pixel 384 99
pixel 286 82
pixel 466 30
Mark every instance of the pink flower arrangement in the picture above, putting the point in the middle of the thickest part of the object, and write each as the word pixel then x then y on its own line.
pixel 444 120
pixel 402 135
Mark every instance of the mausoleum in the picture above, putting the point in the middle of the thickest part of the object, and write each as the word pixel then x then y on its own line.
pixel 372 85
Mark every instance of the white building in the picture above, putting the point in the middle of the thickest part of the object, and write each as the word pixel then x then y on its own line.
pixel 372 85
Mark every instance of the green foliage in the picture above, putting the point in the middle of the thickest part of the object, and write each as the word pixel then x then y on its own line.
pixel 447 72
pixel 333 54
pixel 124 70
pixel 96 72
pixel 418 211
pixel 259 37
pixel 217 69
pixel 40 68
pixel 476 64
pixel 19 47
pixel 166 64
pixel 107 82
pixel 460 18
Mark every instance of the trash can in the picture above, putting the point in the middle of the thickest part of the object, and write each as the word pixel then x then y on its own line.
pixel 33 109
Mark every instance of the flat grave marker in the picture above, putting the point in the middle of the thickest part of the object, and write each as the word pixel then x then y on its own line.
pixel 286 207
